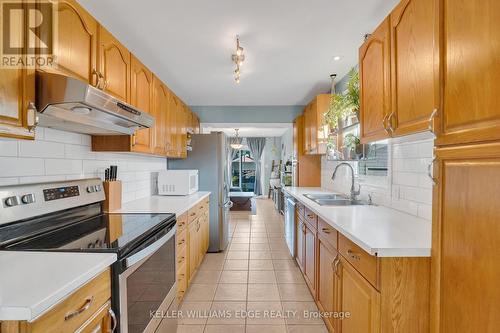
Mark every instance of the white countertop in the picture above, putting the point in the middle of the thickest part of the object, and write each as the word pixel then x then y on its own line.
pixel 163 204
pixel 33 282
pixel 378 230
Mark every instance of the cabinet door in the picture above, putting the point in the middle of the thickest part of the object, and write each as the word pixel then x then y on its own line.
pixel 141 96
pixel 360 299
pixel 76 49
pixel 470 67
pixel 161 97
pixel 313 127
pixel 101 323
pixel 182 131
pixel 114 65
pixel 17 91
pixel 327 282
pixel 300 244
pixel 413 79
pixel 466 240
pixel 193 248
pixel 310 258
pixel 374 82
pixel 307 130
pixel 171 135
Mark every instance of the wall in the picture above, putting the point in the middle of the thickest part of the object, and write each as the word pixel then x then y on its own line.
pixel 57 155
pixel 272 151
pixel 287 145
pixel 407 186
pixel 247 114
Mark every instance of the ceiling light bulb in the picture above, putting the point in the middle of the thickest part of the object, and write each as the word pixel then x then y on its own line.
pixel 239 51
pixel 336 58
pixel 240 62
pixel 237 80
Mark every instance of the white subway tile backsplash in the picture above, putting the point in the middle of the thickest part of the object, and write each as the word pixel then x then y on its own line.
pixel 56 155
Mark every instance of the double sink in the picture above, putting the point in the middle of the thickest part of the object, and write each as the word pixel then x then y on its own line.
pixel 334 200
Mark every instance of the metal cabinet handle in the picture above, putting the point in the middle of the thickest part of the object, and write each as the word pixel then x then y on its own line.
pixel 334 263
pixel 181 242
pixel 326 230
pixel 384 123
pixel 134 140
pixel 31 116
pixel 389 119
pixel 429 172
pixel 114 322
pixel 431 121
pixel 353 255
pixel 311 216
pixel 338 267
pixel 85 307
pixel 98 76
pixel 181 259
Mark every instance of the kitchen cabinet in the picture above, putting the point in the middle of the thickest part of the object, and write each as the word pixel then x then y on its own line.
pixel 414 79
pixel 300 243
pixel 374 78
pixel 161 97
pixel 113 66
pixel 197 236
pixel 17 95
pixel 328 282
pixel 76 48
pixel 193 248
pixel 181 253
pixel 358 297
pixel 315 131
pixel 307 167
pixel 172 126
pixel 310 257
pixel 465 246
pixel 470 72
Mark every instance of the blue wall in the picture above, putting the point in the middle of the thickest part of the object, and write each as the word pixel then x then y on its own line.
pixel 247 114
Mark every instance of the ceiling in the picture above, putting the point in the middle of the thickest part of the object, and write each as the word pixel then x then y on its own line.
pixel 289 45
pixel 268 130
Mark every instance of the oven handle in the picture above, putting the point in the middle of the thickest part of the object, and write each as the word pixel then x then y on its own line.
pixel 144 253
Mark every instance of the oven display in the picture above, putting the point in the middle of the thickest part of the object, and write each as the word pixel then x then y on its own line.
pixel 60 193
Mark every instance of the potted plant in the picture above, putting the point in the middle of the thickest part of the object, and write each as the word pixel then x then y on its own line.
pixel 351 95
pixel 353 146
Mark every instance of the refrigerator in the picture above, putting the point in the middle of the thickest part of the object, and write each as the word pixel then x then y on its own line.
pixel 210 156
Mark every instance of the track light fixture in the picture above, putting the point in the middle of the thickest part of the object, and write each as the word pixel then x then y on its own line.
pixel 238 57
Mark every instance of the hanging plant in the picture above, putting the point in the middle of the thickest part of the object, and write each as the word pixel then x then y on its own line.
pixel 336 111
pixel 351 96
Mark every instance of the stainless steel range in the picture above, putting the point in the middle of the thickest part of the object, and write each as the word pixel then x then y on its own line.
pixel 67 216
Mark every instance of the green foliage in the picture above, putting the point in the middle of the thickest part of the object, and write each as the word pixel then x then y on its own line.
pixel 351 141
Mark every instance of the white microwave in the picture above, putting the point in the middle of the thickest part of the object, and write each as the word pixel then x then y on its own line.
pixel 177 182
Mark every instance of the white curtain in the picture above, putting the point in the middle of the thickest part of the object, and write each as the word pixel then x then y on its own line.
pixel 256 146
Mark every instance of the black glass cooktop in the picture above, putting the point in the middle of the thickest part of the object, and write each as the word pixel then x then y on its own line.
pixel 84 229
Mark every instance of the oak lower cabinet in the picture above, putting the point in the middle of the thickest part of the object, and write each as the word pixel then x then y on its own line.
pixel 310 257
pixel 300 243
pixel 466 233
pixel 328 282
pixel 86 310
pixel 181 256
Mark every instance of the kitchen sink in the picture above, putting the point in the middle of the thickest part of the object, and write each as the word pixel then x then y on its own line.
pixel 340 202
pixel 325 196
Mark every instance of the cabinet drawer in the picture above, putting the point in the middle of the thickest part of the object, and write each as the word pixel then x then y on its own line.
pixel 364 263
pixel 300 210
pixel 311 218
pixel 75 310
pixel 193 214
pixel 181 255
pixel 182 222
pixel 202 207
pixel 181 240
pixel 327 232
pixel 99 322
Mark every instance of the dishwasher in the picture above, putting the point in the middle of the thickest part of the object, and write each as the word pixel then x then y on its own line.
pixel 290 224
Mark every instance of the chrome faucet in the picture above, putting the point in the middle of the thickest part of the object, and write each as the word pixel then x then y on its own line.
pixel 354 193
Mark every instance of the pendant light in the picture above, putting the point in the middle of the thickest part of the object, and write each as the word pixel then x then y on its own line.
pixel 237 141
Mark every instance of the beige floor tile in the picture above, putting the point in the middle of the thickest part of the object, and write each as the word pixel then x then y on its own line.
pixel 254 234
pixel 281 246
pixel 290 276
pixel 194 313
pixel 231 292
pixel 241 235
pixel 261 277
pixel 263 292
pixel 236 265
pixel 227 313
pixel 260 255
pixel 266 329
pixel 224 329
pixel 280 255
pixel 237 255
pixel 306 329
pixel 234 277
pixel 200 292
pixel 265 313
pixel 277 235
pixel 294 292
pixel 259 240
pixel 261 265
pixel 184 329
pixel 239 247
pixel 301 308
pixel 206 276
pixel 284 265
pixel 259 247
pixel 243 240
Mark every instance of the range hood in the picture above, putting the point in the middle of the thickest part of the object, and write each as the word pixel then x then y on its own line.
pixel 72 105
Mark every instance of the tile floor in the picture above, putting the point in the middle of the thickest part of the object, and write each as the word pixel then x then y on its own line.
pixel 249 282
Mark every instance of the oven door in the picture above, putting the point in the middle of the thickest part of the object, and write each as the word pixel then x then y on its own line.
pixel 147 284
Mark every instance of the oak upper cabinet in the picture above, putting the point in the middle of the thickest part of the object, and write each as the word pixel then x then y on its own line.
pixel 358 297
pixel 172 127
pixel 196 124
pixel 308 168
pixel 76 50
pixel 465 247
pixel 316 132
pixel 470 67
pixel 415 88
pixel 161 97
pixel 17 93
pixel 327 288
pixel 141 96
pixel 374 78
pixel 307 129
pixel 114 66
pixel 182 125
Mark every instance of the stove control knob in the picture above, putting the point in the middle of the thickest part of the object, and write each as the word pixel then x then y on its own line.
pixel 90 189
pixel 97 188
pixel 12 201
pixel 28 198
